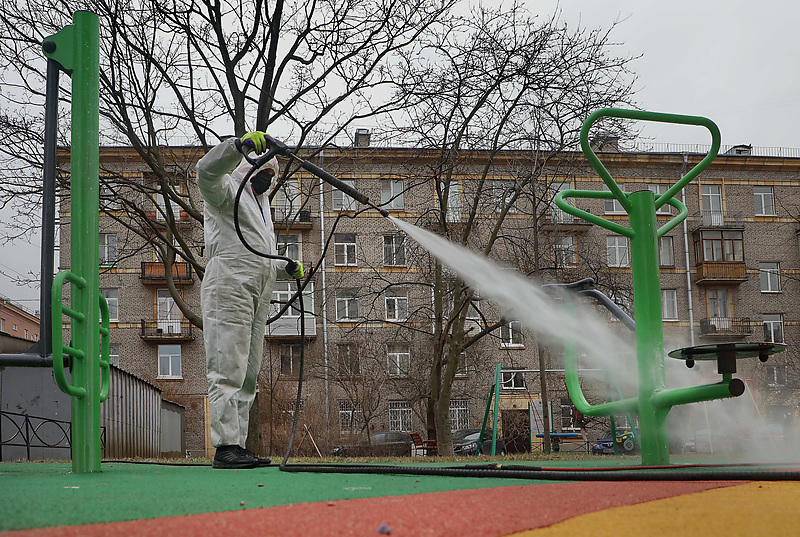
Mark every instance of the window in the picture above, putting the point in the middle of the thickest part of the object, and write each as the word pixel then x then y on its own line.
pixel 344 249
pixel 288 245
pixel 394 252
pixel 461 368
pixel 776 375
pixel 161 211
pixel 349 360
pixel 400 416
pixel 396 305
pixel 392 194
pixel 351 419
pixel 617 251
pixel 26 333
pixel 290 359
pixel 504 193
pixel 511 334
pixel 14 326
pixel 346 304
pixel 169 316
pixel 169 361
pixel 453 201
pixel 773 328
pixel 283 291
pixel 666 253
pixel 512 380
pixel 108 248
pixel 112 298
pixel 569 415
pixel 718 303
pixel 564 251
pixel 113 354
pixel 399 359
pixel 459 414
pixel 557 215
pixel 109 201
pixel 723 246
pixel 764 201
pixel 286 202
pixel 658 190
pixel 770 274
pixel 711 198
pixel 341 201
pixel 613 206
pixel 2 325
pixel 669 304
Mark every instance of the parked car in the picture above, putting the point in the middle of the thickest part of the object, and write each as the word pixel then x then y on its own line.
pixel 465 442
pixel 626 442
pixel 385 444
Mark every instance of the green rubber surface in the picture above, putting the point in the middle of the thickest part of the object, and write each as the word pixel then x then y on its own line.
pixel 36 495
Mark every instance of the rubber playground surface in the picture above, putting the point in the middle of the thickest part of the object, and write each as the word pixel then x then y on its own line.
pixel 127 499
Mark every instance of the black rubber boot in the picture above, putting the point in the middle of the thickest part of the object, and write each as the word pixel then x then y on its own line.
pixel 234 457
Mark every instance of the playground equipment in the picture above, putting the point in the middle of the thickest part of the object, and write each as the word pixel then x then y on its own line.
pixel 75 50
pixel 654 401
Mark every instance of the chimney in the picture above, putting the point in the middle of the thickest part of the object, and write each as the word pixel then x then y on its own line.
pixel 605 142
pixel 362 138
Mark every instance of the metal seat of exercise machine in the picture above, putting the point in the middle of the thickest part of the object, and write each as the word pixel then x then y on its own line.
pixel 726 354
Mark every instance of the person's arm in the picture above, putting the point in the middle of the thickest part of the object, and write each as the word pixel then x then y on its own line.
pixel 221 160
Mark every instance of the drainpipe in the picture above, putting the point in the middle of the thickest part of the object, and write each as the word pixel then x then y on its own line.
pixel 686 256
pixel 324 290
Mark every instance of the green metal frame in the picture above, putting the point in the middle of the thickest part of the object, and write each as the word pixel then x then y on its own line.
pixel 76 49
pixel 653 401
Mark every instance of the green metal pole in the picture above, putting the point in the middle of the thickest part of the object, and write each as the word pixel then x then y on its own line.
pixel 76 48
pixel 497 381
pixel 485 418
pixel 649 327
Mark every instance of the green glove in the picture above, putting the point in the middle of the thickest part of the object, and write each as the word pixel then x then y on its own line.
pixel 255 140
pixel 295 270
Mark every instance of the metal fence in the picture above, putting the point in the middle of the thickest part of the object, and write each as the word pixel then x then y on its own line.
pixel 39 437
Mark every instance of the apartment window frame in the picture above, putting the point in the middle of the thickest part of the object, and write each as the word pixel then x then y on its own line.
pixel 718 300
pixel 453 202
pixel 351 417
pixel 613 205
pixel 341 201
pixel 777 375
pixel 511 336
pixel 394 250
pixel 392 194
pixel 170 359
pixel 288 245
pixel 286 201
pixel 112 299
pixel 666 251
pixel 763 201
pixel 283 291
pixel 558 216
pixel 401 416
pixel 113 354
pixel 346 301
pixel 722 246
pixel 658 189
pixel 396 302
pixel 512 380
pixel 108 249
pixel 459 414
pixel 398 359
pixel 345 250
pixel 669 304
pixel 616 244
pixel 773 327
pixel 770 277
pixel 503 192
pixel 565 252
pixel 289 354
pixel 348 360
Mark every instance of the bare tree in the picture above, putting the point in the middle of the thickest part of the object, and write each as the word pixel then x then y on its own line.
pixel 501 81
pixel 192 72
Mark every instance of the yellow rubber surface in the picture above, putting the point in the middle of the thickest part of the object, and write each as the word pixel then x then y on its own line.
pixel 756 509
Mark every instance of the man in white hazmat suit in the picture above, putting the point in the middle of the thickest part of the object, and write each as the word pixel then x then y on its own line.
pixel 236 291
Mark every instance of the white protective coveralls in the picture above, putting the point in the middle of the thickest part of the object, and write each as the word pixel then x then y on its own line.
pixel 236 289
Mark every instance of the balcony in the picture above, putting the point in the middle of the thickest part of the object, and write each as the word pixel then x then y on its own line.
pixel 710 272
pixel 718 219
pixel 287 327
pixel 153 272
pixel 726 327
pixel 283 217
pixel 556 219
pixel 166 330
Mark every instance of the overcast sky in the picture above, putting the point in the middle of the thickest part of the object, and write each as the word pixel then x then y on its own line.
pixel 732 61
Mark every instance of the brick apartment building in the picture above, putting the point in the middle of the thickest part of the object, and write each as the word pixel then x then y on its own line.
pixel 729 274
pixel 18 321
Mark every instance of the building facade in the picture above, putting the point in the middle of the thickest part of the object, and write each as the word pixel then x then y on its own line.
pixel 730 273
